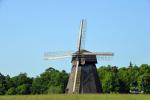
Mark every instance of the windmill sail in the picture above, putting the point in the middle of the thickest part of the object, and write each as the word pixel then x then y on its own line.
pixel 82 33
pixel 57 55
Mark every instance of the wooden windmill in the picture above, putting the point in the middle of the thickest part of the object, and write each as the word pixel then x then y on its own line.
pixel 83 77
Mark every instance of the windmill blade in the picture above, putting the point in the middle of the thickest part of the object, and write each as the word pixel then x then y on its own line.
pixel 101 56
pixel 82 34
pixel 99 53
pixel 57 55
pixel 104 56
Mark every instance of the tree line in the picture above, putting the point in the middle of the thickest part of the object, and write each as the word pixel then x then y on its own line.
pixel 113 80
pixel 125 79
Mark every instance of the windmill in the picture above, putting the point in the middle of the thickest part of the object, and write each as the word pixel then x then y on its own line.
pixel 83 77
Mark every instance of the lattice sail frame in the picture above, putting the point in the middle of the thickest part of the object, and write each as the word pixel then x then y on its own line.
pixel 82 36
pixel 62 55
pixel 80 46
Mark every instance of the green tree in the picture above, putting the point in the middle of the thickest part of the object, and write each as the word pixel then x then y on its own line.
pixel 128 78
pixel 22 83
pixel 144 82
pixel 2 89
pixel 22 78
pixel 2 84
pixel 48 80
pixel 109 79
pixel 11 91
pixel 37 86
pixel 23 89
pixel 144 68
pixel 55 89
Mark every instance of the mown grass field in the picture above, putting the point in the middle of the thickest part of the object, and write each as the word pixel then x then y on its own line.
pixel 78 97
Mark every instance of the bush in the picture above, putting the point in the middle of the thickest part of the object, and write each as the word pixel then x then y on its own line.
pixel 11 91
pixel 23 89
pixel 54 89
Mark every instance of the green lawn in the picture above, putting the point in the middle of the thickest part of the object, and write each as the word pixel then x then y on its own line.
pixel 78 97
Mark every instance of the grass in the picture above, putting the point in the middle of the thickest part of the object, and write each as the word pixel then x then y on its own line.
pixel 78 97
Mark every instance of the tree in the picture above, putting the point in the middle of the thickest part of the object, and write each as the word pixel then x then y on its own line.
pixel 144 82
pixel 23 89
pixel 144 68
pixel 48 80
pixel 113 80
pixel 2 89
pixel 11 91
pixel 8 82
pixel 130 65
pixel 55 89
pixel 22 78
pixel 2 84
pixel 109 78
pixel 22 83
pixel 37 86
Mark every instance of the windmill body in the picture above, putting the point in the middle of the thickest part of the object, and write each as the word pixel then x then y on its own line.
pixel 83 77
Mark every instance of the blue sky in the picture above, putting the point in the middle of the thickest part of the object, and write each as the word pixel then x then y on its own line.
pixel 28 28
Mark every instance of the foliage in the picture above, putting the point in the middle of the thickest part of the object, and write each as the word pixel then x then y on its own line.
pixel 112 78
pixel 123 79
pixel 11 91
pixel 23 89
pixel 50 81
pixel 144 82
pixel 55 89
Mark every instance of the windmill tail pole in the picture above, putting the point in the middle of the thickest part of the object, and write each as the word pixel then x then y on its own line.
pixel 75 79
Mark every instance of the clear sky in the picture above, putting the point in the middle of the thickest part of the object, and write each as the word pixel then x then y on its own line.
pixel 28 28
